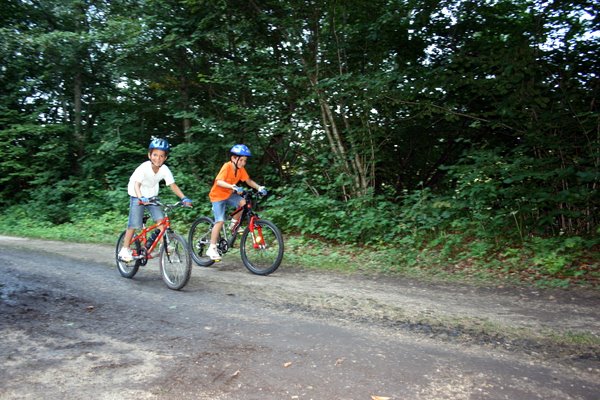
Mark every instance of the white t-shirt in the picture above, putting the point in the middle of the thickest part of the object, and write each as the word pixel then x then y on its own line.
pixel 149 179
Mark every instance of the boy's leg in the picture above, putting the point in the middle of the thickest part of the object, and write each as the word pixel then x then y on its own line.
pixel 235 218
pixel 157 215
pixel 239 201
pixel 125 252
pixel 219 214
pixel 212 251
pixel 127 239
pixel 219 208
pixel 237 215
pixel 136 214
pixel 214 234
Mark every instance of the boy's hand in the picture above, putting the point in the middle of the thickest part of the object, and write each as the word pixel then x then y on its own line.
pixel 143 200
pixel 186 202
pixel 262 191
pixel 236 189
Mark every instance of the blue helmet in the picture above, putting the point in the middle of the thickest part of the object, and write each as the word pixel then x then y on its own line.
pixel 159 144
pixel 240 150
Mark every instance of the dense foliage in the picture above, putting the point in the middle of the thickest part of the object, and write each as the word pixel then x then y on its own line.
pixel 462 129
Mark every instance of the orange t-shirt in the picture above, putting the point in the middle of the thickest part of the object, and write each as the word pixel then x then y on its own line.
pixel 229 175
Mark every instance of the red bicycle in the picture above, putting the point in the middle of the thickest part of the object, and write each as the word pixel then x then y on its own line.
pixel 173 255
pixel 261 242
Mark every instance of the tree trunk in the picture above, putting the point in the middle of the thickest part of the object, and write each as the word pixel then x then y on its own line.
pixel 78 136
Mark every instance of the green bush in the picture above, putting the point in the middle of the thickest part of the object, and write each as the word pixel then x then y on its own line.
pixel 365 220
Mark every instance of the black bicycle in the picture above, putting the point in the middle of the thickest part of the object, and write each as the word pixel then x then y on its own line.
pixel 261 242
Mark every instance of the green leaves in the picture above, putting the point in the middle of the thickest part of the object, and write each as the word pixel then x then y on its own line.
pixel 351 109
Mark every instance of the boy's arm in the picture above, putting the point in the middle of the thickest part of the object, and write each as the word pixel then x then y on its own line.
pixel 179 193
pixel 223 184
pixel 137 188
pixel 252 184
pixel 261 189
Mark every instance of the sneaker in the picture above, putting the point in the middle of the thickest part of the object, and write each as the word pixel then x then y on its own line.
pixel 125 255
pixel 213 253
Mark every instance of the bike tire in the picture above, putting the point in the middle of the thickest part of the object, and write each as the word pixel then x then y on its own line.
pixel 265 259
pixel 199 240
pixel 174 261
pixel 127 269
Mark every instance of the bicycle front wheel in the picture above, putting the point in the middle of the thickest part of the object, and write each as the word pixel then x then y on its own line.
pixel 175 261
pixel 262 249
pixel 199 240
pixel 127 269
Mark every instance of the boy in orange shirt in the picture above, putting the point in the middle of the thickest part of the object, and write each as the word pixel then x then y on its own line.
pixel 224 192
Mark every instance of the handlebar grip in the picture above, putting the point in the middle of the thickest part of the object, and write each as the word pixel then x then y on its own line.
pixel 152 201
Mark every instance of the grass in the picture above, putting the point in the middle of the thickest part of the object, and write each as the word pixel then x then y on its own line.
pixel 553 341
pixel 103 231
pixel 407 258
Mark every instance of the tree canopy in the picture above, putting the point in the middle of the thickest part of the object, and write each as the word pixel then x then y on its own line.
pixel 483 111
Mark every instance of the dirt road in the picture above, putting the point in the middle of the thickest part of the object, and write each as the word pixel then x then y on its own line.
pixel 71 327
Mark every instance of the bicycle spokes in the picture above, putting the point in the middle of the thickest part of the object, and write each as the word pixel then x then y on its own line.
pixel 199 240
pixel 262 247
pixel 174 261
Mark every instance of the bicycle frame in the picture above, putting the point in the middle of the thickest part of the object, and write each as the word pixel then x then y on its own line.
pixel 164 225
pixel 246 214
pixel 142 237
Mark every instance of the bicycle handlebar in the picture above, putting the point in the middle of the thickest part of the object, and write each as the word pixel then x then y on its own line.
pixel 155 201
pixel 253 192
pixel 254 197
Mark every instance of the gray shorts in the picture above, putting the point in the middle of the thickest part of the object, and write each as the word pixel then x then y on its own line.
pixel 136 213
pixel 219 207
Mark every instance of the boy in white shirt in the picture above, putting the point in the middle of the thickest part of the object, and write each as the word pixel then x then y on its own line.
pixel 143 184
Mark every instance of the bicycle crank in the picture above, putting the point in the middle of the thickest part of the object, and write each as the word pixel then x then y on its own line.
pixel 223 246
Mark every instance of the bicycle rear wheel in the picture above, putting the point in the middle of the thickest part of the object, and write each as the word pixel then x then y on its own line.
pixel 175 261
pixel 127 269
pixel 262 249
pixel 199 240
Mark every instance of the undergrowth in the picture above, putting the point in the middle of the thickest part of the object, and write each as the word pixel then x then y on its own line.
pixel 445 256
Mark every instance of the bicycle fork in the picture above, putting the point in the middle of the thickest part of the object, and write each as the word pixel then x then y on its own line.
pixel 166 241
pixel 258 241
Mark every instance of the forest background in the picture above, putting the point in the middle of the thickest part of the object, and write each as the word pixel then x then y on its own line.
pixel 435 138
